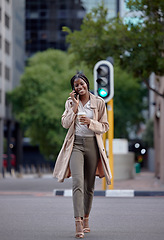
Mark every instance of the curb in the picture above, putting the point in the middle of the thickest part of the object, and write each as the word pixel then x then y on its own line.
pixel 113 193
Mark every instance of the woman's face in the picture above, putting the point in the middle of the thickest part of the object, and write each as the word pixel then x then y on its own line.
pixel 80 86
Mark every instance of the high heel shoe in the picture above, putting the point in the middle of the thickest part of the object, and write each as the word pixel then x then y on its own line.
pixel 79 228
pixel 86 228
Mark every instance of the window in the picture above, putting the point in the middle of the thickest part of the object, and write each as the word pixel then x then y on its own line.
pixel 7 73
pixel 43 14
pixel 43 6
pixel 0 41
pixel 34 35
pixel 43 35
pixel 0 96
pixel 7 21
pixel 7 47
pixel 6 102
pixel 0 69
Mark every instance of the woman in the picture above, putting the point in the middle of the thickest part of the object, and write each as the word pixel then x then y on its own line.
pixel 83 154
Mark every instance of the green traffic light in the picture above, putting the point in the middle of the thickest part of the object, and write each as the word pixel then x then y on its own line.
pixel 102 92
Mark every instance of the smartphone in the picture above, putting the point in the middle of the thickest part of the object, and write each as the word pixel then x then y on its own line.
pixel 75 93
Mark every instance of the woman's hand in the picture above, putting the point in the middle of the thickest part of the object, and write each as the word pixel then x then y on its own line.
pixel 72 95
pixel 84 120
pixel 76 101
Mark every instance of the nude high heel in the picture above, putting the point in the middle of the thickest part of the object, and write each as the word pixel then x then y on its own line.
pixel 86 228
pixel 79 228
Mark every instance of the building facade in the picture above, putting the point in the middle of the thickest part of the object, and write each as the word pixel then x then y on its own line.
pixel 45 19
pixel 11 64
pixel 44 22
pixel 159 129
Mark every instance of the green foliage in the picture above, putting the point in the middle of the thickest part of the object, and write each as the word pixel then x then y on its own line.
pixel 90 43
pixel 138 48
pixel 127 103
pixel 98 39
pixel 38 102
pixel 148 46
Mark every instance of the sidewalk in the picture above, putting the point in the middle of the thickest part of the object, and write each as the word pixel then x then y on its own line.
pixel 144 181
pixel 143 185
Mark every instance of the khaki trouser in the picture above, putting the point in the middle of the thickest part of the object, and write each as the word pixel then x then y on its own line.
pixel 83 164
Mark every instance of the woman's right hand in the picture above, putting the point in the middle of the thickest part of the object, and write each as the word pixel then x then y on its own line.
pixel 76 101
pixel 72 95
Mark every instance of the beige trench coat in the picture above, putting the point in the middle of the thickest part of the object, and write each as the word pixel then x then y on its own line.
pixel 98 124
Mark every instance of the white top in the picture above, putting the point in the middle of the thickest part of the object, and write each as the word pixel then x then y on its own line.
pixel 83 130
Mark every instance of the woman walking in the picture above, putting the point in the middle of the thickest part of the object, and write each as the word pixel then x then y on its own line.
pixel 83 155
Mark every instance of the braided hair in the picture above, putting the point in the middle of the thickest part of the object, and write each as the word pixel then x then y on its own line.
pixel 82 76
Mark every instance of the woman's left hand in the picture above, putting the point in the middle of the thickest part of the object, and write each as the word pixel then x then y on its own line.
pixel 85 120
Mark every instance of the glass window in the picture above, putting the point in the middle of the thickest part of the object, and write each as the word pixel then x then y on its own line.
pixel 62 6
pixel 0 69
pixel 43 14
pixel 43 6
pixel 34 35
pixel 42 25
pixel 7 21
pixel 43 35
pixel 0 41
pixel 7 73
pixel 7 47
pixel 34 15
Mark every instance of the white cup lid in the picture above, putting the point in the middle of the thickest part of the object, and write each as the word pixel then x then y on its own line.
pixel 81 113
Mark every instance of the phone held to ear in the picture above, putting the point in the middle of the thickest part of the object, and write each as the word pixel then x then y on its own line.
pixel 75 93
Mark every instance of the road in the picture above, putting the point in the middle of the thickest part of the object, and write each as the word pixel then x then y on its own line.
pixel 39 215
pixel 33 184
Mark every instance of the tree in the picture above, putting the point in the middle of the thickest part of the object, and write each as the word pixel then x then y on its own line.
pixel 146 53
pixel 139 48
pixel 128 104
pixel 95 42
pixel 38 102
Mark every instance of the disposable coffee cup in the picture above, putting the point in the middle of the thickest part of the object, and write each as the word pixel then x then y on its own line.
pixel 79 115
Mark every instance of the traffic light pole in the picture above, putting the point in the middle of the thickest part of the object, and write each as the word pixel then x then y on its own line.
pixel 104 87
pixel 103 179
pixel 109 136
pixel 110 139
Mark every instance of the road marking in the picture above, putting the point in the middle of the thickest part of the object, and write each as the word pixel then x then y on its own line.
pixel 36 194
pixel 119 193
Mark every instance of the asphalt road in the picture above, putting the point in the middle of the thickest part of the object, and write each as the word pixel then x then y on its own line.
pixel 33 184
pixel 35 217
pixel 29 211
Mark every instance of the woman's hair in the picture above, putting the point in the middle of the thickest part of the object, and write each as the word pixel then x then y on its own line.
pixel 82 76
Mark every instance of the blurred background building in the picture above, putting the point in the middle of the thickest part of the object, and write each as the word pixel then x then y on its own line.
pixel 12 42
pixel 26 27
pixel 45 19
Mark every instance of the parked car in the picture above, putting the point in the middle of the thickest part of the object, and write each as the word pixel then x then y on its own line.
pixel 13 160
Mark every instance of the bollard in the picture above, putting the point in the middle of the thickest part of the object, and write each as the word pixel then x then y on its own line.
pixel 137 167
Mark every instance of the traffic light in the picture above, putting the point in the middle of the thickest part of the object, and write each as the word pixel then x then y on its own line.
pixel 103 80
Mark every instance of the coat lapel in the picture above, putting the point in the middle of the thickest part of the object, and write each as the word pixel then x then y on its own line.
pixel 94 106
pixel 93 101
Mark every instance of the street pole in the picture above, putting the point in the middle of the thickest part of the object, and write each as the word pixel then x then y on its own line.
pixel 109 136
pixel 103 179
pixel 110 139
pixel 104 87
